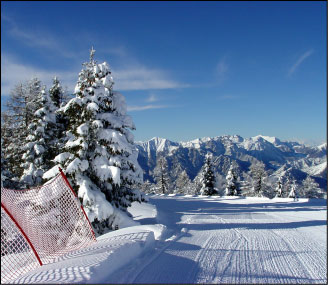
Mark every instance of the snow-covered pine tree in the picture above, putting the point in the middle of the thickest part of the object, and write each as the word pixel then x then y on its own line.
pixel 161 175
pixel 232 186
pixel 99 156
pixel 15 120
pixel 258 174
pixel 183 184
pixel 59 98
pixel 293 193
pixel 7 178
pixel 197 182
pixel 39 144
pixel 208 178
pixel 147 187
pixel 310 189
pixel 278 189
pixel 287 186
pixel 56 92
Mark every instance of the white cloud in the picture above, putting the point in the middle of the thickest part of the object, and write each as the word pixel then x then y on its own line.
pixel 299 61
pixel 13 73
pixel 143 78
pixel 146 107
pixel 131 78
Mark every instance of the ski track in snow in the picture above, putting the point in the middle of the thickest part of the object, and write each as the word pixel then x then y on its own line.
pixel 236 241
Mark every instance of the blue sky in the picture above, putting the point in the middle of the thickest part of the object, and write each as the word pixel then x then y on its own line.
pixel 186 69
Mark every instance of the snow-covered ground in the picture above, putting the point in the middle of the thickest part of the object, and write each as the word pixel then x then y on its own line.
pixel 204 240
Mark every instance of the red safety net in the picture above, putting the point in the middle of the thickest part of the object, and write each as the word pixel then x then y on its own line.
pixel 17 256
pixel 38 225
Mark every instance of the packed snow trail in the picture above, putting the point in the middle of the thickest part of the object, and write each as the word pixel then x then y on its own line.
pixel 216 240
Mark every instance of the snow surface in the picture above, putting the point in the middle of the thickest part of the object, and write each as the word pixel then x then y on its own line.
pixel 200 239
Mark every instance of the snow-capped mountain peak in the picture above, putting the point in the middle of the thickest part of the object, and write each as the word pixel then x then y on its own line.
pixel 274 153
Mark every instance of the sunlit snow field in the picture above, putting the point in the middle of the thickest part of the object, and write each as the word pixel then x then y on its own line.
pixel 198 239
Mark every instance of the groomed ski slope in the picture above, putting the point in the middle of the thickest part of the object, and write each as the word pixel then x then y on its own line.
pixel 204 240
pixel 232 240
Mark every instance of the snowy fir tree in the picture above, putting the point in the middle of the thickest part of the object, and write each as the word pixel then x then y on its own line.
pixel 183 183
pixel 278 189
pixel 288 182
pixel 41 141
pixel 258 174
pixel 15 120
pixel 293 193
pixel 197 183
pixel 208 177
pixel 59 99
pixel 232 188
pixel 162 176
pixel 56 92
pixel 7 178
pixel 310 189
pixel 99 156
pixel 147 187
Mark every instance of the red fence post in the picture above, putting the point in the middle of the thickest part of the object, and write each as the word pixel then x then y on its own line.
pixel 70 187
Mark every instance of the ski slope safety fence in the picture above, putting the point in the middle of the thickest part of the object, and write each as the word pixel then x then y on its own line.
pixel 39 225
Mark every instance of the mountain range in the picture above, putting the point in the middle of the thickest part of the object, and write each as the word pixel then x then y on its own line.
pixel 278 156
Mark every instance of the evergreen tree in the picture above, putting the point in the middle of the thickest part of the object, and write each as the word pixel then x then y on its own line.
pixel 7 178
pixel 56 92
pixel 19 112
pixel 197 182
pixel 183 184
pixel 258 174
pixel 278 189
pixel 162 176
pixel 59 99
pixel 288 183
pixel 208 178
pixel 99 156
pixel 39 147
pixel 292 193
pixel 147 187
pixel 310 189
pixel 232 188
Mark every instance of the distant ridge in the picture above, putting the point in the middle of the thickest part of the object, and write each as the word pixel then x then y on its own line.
pixel 277 155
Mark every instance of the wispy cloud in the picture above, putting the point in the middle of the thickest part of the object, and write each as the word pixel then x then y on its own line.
pixel 222 69
pixel 296 65
pixel 146 107
pixel 36 38
pixel 128 78
pixel 131 75
pixel 144 78
pixel 13 73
